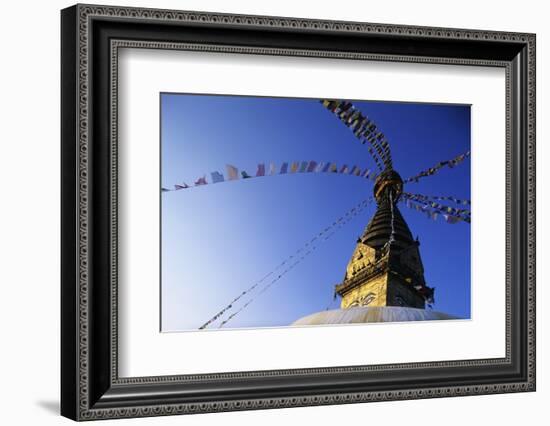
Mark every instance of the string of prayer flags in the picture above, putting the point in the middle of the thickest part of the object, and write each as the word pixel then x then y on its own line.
pixel 235 314
pixel 451 219
pixel 431 214
pixel 233 173
pixel 464 202
pixel 371 152
pixel 361 126
pixel 291 262
pixel 293 257
pixel 363 129
pixel 435 205
pixel 230 305
pixel 380 145
pixel 451 215
pixel 433 170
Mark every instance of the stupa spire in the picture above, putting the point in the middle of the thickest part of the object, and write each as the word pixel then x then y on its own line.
pixel 385 268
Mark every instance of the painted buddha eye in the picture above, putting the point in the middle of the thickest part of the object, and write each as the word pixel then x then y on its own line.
pixel 368 299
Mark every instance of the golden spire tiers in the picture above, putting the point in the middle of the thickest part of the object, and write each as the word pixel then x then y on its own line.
pixel 384 279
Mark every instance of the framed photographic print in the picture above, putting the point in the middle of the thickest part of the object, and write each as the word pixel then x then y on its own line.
pixel 263 212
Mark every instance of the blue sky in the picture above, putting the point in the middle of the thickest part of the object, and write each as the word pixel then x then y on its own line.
pixel 219 239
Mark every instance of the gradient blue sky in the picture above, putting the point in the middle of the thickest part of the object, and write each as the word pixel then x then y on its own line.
pixel 217 240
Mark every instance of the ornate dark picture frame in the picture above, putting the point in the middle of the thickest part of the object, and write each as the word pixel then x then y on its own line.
pixel 90 38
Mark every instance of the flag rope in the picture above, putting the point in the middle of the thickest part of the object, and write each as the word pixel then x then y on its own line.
pixel 440 207
pixel 450 214
pixel 392 235
pixel 332 300
pixel 364 130
pixel 286 168
pixel 301 253
pixel 351 214
pixel 429 198
pixel 433 170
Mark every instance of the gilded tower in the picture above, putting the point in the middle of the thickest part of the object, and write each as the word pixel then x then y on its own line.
pixel 385 268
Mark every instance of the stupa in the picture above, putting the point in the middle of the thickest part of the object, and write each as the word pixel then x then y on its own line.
pixel 384 279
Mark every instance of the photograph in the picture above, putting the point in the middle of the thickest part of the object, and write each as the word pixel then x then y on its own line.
pixel 264 209
pixel 279 212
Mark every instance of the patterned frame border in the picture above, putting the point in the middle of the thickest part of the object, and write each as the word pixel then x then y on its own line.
pixel 116 45
pixel 86 13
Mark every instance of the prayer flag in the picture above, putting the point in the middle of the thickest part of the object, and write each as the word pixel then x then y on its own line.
pixel 284 168
pixel 232 172
pixel 201 181
pixel 311 166
pixel 451 219
pixel 344 169
pixel 326 168
pixel 177 187
pixel 245 175
pixel 272 169
pixel 293 167
pixel 303 167
pixel 261 170
pixel 217 177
